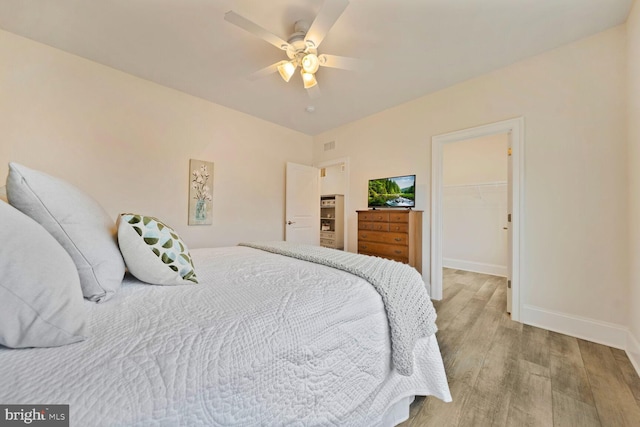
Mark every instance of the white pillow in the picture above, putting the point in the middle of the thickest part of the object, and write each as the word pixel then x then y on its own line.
pixel 77 222
pixel 153 251
pixel 41 301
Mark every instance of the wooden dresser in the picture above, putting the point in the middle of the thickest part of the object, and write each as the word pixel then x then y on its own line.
pixel 393 234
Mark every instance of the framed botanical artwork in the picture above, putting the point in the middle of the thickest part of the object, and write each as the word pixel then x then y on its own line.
pixel 200 192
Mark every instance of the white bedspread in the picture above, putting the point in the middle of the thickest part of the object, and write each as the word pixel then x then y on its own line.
pixel 262 340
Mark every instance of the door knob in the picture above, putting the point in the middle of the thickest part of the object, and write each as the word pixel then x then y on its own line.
pixel 290 222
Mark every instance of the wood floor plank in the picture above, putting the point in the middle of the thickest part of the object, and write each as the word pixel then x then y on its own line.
pixel 469 279
pixel 478 281
pixel 628 372
pixel 487 290
pixel 570 379
pixel 535 345
pixel 454 332
pixel 507 340
pixel 485 410
pixel 614 401
pixel 498 300
pixel 505 321
pixel 473 348
pixel 568 375
pixel 451 290
pixel 436 413
pixel 531 403
pixel 448 272
pixel 566 347
pixel 569 412
pixel 454 307
pixel 488 404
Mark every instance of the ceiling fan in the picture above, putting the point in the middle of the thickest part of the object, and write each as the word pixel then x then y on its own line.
pixel 302 46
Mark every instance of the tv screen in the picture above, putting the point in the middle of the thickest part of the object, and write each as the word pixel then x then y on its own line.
pixel 393 192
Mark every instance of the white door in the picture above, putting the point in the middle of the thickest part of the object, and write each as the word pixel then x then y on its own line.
pixel 302 204
pixel 509 222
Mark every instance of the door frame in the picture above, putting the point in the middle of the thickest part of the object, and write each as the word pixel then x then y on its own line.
pixel 345 162
pixel 515 129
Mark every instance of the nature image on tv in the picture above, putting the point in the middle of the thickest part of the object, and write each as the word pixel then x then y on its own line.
pixel 393 192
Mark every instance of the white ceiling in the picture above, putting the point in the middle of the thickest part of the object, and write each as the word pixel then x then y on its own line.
pixel 416 46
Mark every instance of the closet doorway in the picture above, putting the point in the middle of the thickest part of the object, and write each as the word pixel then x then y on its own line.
pixel 482 201
pixel 334 179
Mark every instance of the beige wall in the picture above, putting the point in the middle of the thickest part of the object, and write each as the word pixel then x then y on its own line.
pixel 633 49
pixel 573 101
pixel 475 161
pixel 334 181
pixel 128 142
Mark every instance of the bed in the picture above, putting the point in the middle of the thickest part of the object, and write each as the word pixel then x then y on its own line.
pixel 263 339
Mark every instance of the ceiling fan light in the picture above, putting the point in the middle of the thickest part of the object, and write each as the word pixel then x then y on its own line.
pixel 310 63
pixel 286 70
pixel 308 79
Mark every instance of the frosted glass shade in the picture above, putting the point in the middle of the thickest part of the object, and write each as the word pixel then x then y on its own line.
pixel 310 63
pixel 286 70
pixel 308 79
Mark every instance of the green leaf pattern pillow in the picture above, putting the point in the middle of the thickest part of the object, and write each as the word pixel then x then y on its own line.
pixel 153 251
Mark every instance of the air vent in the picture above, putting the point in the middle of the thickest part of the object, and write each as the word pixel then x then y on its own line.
pixel 329 146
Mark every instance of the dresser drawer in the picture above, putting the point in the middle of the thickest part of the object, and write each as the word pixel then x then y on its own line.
pixel 376 226
pixel 327 234
pixel 328 243
pixel 399 217
pixel 383 249
pixel 383 237
pixel 401 259
pixel 373 216
pixel 398 227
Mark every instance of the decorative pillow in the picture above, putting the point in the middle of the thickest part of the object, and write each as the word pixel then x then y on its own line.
pixel 41 301
pixel 77 222
pixel 154 252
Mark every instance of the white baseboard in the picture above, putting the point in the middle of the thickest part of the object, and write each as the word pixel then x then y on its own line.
pixel 476 267
pixel 597 331
pixel 633 351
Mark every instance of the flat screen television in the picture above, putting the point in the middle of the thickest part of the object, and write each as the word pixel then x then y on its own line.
pixel 393 192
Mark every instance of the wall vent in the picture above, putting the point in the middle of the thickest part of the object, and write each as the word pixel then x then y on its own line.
pixel 329 146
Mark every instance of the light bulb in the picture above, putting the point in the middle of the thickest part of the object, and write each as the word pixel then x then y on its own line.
pixel 286 70
pixel 310 63
pixel 308 79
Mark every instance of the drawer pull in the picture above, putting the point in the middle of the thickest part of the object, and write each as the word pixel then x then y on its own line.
pixel 398 239
pixel 364 246
pixel 364 236
pixel 397 252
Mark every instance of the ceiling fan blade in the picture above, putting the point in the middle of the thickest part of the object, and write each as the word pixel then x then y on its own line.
pixel 327 16
pixel 314 92
pixel 273 68
pixel 342 62
pixel 255 29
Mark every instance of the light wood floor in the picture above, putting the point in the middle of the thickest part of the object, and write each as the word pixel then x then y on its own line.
pixel 505 373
